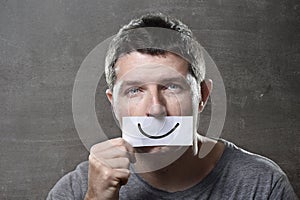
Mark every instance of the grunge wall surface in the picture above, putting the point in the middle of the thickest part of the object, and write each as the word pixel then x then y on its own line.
pixel 254 43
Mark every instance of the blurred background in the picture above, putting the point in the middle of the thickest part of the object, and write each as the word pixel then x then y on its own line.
pixel 254 43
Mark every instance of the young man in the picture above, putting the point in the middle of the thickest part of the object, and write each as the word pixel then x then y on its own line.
pixel 153 74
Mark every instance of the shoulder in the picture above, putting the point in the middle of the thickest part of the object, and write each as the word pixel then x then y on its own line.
pixel 244 160
pixel 73 185
pixel 251 166
pixel 255 172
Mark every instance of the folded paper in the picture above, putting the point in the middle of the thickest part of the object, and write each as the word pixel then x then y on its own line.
pixel 151 131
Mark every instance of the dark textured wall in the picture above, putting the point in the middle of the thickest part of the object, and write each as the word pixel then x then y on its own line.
pixel 255 44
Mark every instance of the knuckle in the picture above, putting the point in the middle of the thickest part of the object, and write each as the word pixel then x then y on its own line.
pixel 95 147
pixel 92 159
pixel 106 175
pixel 97 163
pixel 92 149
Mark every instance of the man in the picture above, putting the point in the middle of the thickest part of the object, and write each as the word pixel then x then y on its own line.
pixel 155 75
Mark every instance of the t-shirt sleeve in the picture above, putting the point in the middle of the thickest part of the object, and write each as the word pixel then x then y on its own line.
pixel 283 190
pixel 72 186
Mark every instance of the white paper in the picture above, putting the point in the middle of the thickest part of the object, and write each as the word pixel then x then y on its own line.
pixel 151 131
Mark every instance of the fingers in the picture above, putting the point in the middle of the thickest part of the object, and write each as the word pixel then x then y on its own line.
pixel 110 170
pixel 118 163
pixel 114 148
pixel 117 142
pixel 123 175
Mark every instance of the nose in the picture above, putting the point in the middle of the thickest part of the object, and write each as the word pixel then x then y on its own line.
pixel 156 110
pixel 156 107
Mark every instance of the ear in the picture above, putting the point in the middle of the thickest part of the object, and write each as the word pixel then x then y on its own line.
pixel 109 96
pixel 206 87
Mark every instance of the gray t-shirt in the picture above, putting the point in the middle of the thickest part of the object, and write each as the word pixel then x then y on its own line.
pixel 237 175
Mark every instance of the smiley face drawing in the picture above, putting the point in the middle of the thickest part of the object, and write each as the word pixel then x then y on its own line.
pixel 156 128
pixel 159 136
pixel 149 131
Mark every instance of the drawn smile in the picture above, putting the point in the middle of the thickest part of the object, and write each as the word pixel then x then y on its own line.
pixel 157 137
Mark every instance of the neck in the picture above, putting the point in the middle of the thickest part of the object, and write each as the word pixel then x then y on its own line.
pixel 186 171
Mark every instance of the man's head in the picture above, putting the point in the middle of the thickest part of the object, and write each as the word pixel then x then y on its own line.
pixel 138 36
pixel 154 67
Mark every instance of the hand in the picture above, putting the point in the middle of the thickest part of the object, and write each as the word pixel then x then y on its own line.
pixel 108 168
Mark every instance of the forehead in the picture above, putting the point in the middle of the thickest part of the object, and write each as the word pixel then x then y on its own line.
pixel 134 60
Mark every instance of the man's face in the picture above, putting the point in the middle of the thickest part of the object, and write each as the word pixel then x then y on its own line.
pixel 153 86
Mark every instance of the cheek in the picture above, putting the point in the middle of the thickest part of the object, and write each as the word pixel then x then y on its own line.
pixel 130 107
pixel 120 108
pixel 188 109
pixel 180 106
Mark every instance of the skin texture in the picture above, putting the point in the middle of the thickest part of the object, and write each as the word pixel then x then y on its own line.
pixel 152 94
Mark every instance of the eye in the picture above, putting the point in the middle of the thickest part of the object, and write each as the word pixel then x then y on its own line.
pixel 172 87
pixel 133 91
